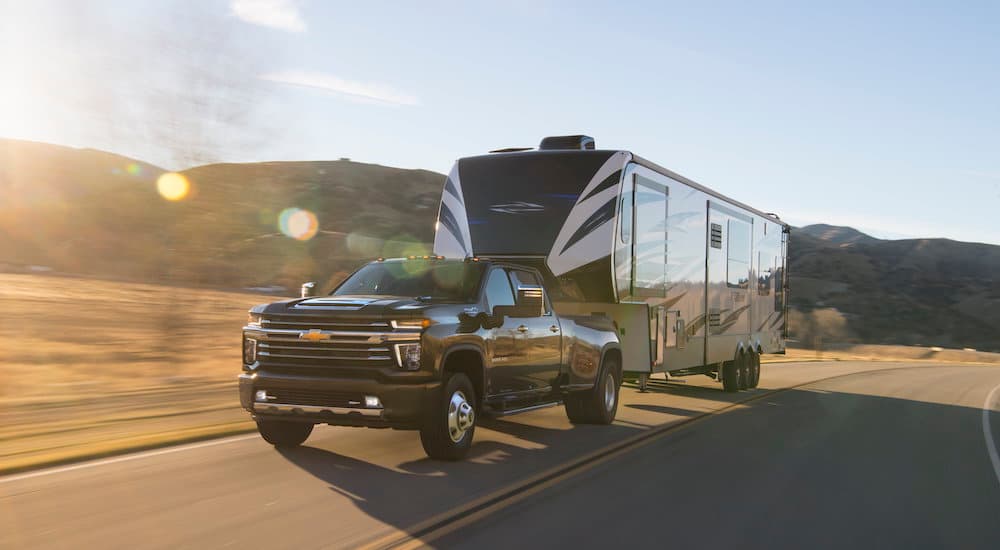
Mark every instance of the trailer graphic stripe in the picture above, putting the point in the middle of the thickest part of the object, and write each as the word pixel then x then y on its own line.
pixel 597 219
pixel 608 183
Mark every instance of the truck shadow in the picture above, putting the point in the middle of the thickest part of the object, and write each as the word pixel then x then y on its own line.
pixel 397 494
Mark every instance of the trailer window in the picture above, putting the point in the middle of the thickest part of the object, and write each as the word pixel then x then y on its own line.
pixel 625 218
pixel 738 252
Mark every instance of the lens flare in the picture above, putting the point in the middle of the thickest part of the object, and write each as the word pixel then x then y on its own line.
pixel 133 169
pixel 173 186
pixel 298 223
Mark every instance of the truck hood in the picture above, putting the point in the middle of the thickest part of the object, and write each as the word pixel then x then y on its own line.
pixel 365 306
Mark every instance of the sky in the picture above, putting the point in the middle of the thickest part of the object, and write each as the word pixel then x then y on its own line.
pixel 883 116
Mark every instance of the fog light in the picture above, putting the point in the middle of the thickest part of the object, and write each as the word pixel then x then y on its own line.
pixel 249 351
pixel 408 356
pixel 261 396
pixel 373 402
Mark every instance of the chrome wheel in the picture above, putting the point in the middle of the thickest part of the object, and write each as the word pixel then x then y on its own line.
pixel 461 416
pixel 609 392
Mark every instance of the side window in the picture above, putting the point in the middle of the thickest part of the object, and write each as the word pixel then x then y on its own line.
pixel 738 267
pixel 498 292
pixel 625 218
pixel 522 278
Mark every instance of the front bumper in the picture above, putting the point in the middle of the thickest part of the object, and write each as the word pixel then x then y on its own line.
pixel 403 405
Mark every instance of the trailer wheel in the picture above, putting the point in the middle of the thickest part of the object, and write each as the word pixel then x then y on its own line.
pixel 284 434
pixel 600 404
pixel 451 422
pixel 730 377
pixel 744 367
pixel 754 369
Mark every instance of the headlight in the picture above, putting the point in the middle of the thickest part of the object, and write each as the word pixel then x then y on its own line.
pixel 253 318
pixel 408 356
pixel 411 324
pixel 249 351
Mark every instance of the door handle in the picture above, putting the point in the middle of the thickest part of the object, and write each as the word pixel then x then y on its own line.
pixel 522 329
pixel 554 328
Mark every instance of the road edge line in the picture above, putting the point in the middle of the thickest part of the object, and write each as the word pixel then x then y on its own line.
pixel 991 445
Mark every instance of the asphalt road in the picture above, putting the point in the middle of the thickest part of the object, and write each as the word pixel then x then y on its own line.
pixel 888 456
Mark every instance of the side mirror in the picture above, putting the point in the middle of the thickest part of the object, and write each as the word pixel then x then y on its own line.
pixel 530 303
pixel 308 290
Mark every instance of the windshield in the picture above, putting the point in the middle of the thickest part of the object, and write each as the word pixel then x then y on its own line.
pixel 427 280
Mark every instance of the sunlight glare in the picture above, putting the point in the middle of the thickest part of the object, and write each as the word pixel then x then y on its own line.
pixel 173 186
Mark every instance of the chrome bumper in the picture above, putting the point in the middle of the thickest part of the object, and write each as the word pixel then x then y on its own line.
pixel 286 408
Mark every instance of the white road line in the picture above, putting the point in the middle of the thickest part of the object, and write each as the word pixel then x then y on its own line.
pixel 991 445
pixel 125 458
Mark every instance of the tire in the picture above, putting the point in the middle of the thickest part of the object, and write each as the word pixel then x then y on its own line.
pixel 451 422
pixel 754 369
pixel 284 434
pixel 730 377
pixel 600 404
pixel 744 367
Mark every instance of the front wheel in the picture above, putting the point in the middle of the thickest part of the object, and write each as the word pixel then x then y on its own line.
pixel 284 434
pixel 450 424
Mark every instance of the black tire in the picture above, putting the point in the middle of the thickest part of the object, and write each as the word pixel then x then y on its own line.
pixel 600 404
pixel 448 430
pixel 744 364
pixel 730 377
pixel 284 434
pixel 754 369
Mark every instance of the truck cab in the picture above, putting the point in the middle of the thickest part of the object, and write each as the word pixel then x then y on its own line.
pixel 425 343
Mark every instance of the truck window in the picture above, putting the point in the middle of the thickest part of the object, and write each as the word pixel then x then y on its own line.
pixel 498 291
pixel 523 278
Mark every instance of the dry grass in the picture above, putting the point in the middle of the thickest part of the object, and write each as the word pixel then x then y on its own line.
pixel 95 366
pixel 868 352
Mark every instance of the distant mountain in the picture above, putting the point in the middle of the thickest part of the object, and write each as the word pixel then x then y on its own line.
pixel 92 212
pixel 836 234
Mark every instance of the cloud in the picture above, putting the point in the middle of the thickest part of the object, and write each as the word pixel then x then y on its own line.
pixel 362 92
pixel 277 14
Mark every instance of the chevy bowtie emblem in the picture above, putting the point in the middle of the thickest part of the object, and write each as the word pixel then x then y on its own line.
pixel 314 335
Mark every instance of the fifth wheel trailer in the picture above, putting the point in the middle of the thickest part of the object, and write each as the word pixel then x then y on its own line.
pixel 694 281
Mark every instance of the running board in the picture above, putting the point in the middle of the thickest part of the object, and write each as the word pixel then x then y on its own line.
pixel 493 413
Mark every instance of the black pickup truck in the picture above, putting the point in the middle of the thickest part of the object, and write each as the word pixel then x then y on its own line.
pixel 425 343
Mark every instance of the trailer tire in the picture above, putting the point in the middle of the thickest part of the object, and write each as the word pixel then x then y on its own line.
pixel 451 423
pixel 598 405
pixel 743 360
pixel 730 377
pixel 284 434
pixel 754 369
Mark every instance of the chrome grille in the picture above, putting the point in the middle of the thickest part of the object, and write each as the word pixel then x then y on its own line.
pixel 306 322
pixel 341 352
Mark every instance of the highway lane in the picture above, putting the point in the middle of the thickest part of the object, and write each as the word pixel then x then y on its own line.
pixel 350 486
pixel 895 459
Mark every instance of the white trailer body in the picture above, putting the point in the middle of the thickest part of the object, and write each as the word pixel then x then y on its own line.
pixel 692 278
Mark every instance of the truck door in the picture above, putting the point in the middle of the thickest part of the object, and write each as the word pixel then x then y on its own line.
pixel 509 373
pixel 540 340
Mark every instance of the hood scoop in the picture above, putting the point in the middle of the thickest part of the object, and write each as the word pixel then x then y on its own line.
pixel 340 304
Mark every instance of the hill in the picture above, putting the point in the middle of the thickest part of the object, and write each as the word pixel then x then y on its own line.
pixel 834 234
pixel 96 213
